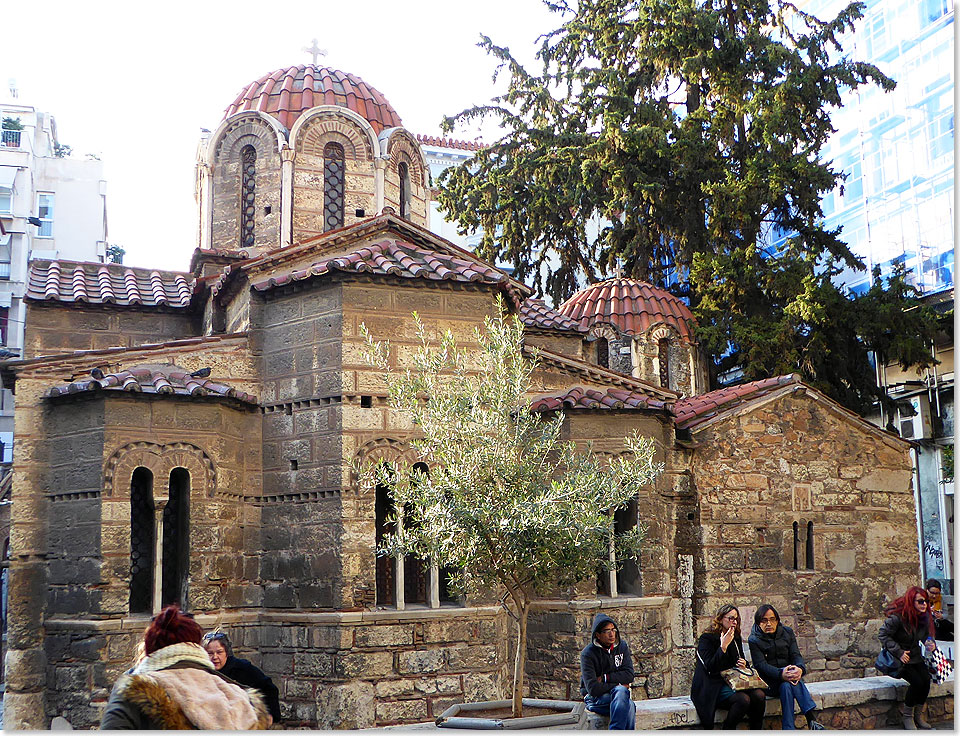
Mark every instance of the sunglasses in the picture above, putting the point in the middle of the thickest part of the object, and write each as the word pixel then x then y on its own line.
pixel 214 636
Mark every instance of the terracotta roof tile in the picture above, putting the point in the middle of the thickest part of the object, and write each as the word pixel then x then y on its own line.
pixel 535 313
pixel 631 306
pixel 432 140
pixel 582 397
pixel 107 283
pixel 287 93
pixel 692 410
pixel 394 258
pixel 171 381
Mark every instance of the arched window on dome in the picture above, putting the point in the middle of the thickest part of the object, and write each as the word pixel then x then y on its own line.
pixel 333 178
pixel 403 170
pixel 603 352
pixel 248 186
pixel 663 361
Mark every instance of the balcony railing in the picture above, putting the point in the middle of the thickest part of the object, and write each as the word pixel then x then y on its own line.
pixel 10 138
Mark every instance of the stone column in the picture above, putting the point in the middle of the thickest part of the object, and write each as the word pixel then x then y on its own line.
pixel 287 158
pixel 158 506
pixel 380 175
pixel 433 597
pixel 205 235
pixel 25 662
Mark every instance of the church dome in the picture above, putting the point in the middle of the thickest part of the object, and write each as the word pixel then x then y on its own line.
pixel 287 93
pixel 629 305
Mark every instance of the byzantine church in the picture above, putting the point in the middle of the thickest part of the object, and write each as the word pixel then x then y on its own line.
pixel 193 437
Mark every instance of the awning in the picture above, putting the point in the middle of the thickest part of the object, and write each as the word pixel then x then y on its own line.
pixel 7 175
pixel 5 299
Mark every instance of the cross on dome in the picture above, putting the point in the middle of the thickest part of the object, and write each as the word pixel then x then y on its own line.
pixel 314 50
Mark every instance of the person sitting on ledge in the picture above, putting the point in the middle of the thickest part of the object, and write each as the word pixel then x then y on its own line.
pixel 776 656
pixel 943 627
pixel 606 671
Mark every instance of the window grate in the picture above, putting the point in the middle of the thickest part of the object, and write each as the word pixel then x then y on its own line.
pixel 333 178
pixel 248 184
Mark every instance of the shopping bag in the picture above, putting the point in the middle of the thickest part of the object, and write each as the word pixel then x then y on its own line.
pixel 941 669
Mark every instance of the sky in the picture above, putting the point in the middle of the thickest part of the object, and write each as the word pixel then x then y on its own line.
pixel 134 83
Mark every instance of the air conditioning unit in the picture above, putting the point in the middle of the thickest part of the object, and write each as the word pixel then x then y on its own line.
pixel 920 425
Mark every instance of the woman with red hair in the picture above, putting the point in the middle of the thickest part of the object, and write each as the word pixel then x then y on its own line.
pixel 908 623
pixel 175 686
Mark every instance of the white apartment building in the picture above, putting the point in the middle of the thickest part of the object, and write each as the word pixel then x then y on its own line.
pixel 51 206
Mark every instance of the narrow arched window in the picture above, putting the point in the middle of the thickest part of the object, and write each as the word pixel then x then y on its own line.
pixel 141 541
pixel 414 569
pixel 333 178
pixel 809 545
pixel 384 573
pixel 603 352
pixel 176 539
pixel 663 359
pixel 796 545
pixel 248 187
pixel 403 170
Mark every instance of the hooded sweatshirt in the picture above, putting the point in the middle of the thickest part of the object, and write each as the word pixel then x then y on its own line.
pixel 602 669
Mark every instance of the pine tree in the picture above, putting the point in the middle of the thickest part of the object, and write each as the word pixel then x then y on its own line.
pixel 691 131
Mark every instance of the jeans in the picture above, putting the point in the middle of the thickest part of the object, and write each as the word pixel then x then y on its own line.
pixel 788 693
pixel 616 704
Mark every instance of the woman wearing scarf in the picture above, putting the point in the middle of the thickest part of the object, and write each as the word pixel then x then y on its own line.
pixel 175 686
pixel 908 623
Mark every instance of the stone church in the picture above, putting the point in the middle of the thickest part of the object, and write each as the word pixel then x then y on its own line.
pixel 192 437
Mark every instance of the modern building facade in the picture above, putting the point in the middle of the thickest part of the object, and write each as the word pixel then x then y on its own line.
pixel 51 206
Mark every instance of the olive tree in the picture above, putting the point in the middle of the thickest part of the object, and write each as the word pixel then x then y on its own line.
pixel 506 504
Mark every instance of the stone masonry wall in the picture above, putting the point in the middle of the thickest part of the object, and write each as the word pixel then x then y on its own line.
pixel 296 333
pixel 56 329
pixel 371 429
pixel 796 459
pixel 558 630
pixel 605 431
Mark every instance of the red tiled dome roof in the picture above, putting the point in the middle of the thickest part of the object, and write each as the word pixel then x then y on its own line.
pixel 287 93
pixel 631 306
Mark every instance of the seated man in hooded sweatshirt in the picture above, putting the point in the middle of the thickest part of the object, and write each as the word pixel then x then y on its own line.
pixel 606 671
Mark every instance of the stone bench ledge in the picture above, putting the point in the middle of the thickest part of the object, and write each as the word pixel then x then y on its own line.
pixel 679 711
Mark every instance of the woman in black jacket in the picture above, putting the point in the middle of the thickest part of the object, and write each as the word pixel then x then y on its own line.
pixel 776 656
pixel 243 671
pixel 719 648
pixel 908 622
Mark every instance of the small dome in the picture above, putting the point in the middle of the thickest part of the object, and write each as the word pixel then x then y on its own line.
pixel 288 93
pixel 629 305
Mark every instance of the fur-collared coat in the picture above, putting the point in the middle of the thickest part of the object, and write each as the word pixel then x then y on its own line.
pixel 179 691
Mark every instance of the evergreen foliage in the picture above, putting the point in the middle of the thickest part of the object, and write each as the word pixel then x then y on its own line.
pixel 506 503
pixel 690 132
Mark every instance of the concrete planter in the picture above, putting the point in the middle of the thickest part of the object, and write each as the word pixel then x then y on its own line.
pixel 566 714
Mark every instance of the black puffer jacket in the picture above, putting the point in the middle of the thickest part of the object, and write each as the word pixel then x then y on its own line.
pixel 897 638
pixel 770 653
pixel 614 666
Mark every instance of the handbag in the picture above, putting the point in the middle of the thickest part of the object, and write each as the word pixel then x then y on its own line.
pixel 743 678
pixel 940 667
pixel 739 678
pixel 887 663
